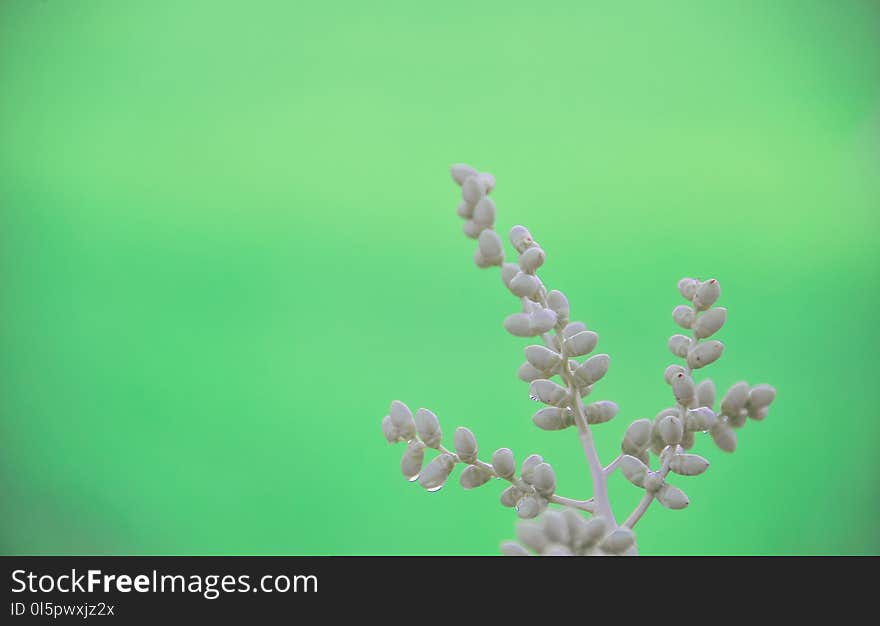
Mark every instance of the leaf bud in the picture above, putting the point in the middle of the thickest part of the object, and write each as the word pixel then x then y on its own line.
pixel 684 316
pixel 553 418
pixel 437 472
pixel 465 444
pixel 600 412
pixel 413 457
pixel 706 295
pixel 474 476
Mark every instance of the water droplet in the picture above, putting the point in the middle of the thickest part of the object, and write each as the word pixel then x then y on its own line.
pixel 533 397
pixel 412 479
pixel 437 488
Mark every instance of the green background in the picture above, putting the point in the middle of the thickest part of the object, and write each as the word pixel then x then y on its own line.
pixel 228 239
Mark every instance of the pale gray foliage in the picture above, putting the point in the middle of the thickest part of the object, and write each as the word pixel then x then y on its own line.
pixel 559 381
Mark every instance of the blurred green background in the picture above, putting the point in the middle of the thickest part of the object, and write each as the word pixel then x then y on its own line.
pixel 228 239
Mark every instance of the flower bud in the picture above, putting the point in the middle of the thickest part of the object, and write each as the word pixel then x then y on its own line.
pixel 707 294
pixel 465 444
pixel 465 210
pixel 503 463
pixel 474 476
pixel 508 271
pixel 683 389
pixel 471 229
pixel 542 357
pixel 735 399
pixel 593 369
pixel 481 261
pixel 671 430
pixel 600 412
pixel 618 540
pixel 542 321
pixel 556 528
pixel 573 328
pixel 544 479
pixel 581 343
pixel 527 469
pixel 528 372
pixel 577 528
pixel 510 496
pixel 704 354
pixel 760 396
pixel 672 497
pixel 687 287
pixel 593 531
pixel 724 436
pixel 688 464
pixel 521 238
pixel 490 247
pixel 473 189
pixel 524 285
pixel 532 259
pixel 700 419
pixel 512 548
pixel 668 452
pixel 671 372
pixel 706 393
pixel 710 322
pixel 758 414
pixel 461 172
pixel 684 316
pixel 484 213
pixel 428 428
pixel 738 420
pixel 679 345
pixel 488 181
pixel 519 325
pixel 402 418
pixel 653 481
pixel 411 463
pixel 529 507
pixel 557 301
pixel 437 472
pixel 553 418
pixel 531 534
pixel 634 470
pixel 548 392
pixel 390 430
pixel 637 436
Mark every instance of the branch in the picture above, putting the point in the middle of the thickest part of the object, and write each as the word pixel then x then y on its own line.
pixel 645 502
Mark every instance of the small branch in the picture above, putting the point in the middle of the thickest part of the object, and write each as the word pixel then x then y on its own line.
pixel 645 502
pixel 636 515
pixel 609 469
pixel 583 505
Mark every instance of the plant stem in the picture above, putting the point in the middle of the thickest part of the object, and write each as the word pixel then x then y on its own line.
pixel 645 502
pixel 600 486
pixel 583 505
pixel 636 515
pixel 609 469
